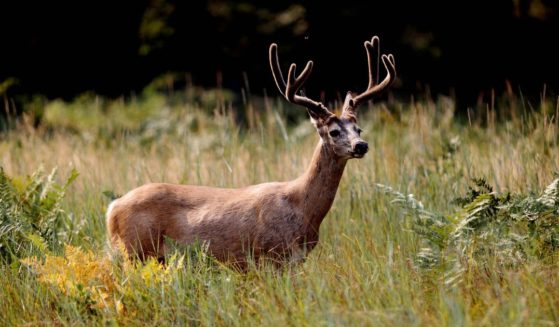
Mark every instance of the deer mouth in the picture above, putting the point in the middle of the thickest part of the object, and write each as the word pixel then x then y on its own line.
pixel 357 155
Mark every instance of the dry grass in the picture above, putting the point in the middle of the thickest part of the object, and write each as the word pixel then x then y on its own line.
pixel 362 273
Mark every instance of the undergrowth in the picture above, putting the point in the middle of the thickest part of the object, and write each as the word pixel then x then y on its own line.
pixel 489 230
pixel 471 252
pixel 31 214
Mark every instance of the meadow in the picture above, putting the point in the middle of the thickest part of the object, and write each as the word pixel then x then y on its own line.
pixel 450 219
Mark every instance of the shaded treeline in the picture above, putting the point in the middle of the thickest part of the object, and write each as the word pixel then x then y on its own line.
pixel 464 48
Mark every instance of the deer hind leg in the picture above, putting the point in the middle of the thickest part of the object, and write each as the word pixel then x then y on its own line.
pixel 145 243
pixel 297 256
pixel 138 236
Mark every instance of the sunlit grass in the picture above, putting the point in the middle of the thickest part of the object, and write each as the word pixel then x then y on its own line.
pixel 363 271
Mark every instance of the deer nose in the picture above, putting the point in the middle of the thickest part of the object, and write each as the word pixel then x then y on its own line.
pixel 361 148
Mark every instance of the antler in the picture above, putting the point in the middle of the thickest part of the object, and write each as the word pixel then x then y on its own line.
pixel 289 90
pixel 389 62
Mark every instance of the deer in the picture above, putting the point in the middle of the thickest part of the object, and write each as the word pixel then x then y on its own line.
pixel 276 220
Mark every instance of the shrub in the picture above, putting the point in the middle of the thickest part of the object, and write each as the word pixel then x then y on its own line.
pixel 31 216
pixel 506 229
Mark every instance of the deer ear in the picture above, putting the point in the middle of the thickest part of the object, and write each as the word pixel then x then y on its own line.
pixel 349 104
pixel 316 120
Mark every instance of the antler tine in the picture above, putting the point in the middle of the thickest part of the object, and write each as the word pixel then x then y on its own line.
pixel 294 84
pixel 298 82
pixel 373 48
pixel 276 69
pixel 289 90
pixel 373 45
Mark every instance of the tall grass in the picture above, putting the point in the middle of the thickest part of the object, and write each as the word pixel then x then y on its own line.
pixel 365 270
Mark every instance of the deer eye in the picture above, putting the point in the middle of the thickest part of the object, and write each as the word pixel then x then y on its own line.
pixel 335 133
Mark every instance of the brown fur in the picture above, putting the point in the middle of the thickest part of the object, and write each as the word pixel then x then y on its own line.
pixel 277 220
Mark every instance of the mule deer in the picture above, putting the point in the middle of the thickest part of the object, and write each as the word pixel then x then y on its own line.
pixel 278 220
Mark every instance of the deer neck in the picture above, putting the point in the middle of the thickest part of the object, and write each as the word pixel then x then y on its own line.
pixel 316 189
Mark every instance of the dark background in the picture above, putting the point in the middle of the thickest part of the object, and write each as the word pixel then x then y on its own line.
pixel 114 48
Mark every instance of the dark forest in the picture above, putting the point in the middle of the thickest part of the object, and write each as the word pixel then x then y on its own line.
pixel 465 49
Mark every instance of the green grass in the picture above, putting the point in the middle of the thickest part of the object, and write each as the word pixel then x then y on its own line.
pixel 364 271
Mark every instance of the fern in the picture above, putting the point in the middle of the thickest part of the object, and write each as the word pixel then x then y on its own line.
pixel 550 196
pixel 431 227
pixel 507 229
pixel 480 187
pixel 31 216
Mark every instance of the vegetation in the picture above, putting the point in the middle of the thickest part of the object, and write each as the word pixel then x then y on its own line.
pixel 31 214
pixel 480 248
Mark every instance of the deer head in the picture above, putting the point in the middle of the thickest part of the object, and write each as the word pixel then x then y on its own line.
pixel 340 133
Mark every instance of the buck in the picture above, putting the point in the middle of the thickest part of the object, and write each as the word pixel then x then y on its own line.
pixel 277 220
